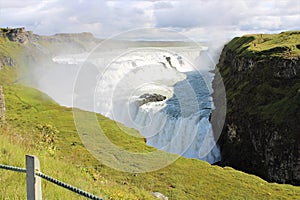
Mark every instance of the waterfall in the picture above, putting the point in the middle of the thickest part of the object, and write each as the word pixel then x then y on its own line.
pixel 178 122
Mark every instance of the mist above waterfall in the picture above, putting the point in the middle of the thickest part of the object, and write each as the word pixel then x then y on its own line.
pixel 111 85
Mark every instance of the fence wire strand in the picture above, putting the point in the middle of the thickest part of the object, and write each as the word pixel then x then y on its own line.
pixel 67 186
pixel 53 180
pixel 13 168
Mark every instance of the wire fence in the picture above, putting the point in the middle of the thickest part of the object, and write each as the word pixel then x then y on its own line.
pixel 52 180
pixel 12 168
pixel 67 186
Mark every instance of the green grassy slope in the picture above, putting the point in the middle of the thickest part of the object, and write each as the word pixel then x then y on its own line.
pixel 284 45
pixel 37 125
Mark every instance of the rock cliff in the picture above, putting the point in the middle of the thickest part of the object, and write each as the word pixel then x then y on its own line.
pixel 16 34
pixel 7 61
pixel 261 135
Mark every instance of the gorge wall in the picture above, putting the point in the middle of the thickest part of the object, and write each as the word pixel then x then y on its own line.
pixel 261 134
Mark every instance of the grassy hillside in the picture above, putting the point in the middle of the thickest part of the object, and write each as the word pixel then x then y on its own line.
pixel 285 45
pixel 37 125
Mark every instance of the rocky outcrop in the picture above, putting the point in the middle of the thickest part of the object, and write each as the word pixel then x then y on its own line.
pixel 146 98
pixel 16 34
pixel 159 195
pixel 261 134
pixel 7 61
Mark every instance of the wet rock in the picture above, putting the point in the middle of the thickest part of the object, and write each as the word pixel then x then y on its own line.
pixel 169 61
pixel 146 98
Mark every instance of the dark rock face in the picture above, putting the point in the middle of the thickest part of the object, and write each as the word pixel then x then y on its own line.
pixel 169 61
pixel 16 34
pixel 261 134
pixel 146 98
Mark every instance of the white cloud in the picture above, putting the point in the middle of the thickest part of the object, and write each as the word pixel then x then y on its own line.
pixel 217 18
pixel 19 4
pixel 162 5
pixel 198 19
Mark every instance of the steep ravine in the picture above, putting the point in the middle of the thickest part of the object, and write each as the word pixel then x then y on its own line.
pixel 261 134
pixel 27 109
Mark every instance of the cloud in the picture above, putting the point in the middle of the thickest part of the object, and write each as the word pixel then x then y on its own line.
pixel 162 5
pixel 18 4
pixel 49 17
pixel 226 13
pixel 203 13
pixel 198 19
pixel 218 18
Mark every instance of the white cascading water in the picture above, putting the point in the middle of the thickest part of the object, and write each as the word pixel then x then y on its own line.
pixel 178 124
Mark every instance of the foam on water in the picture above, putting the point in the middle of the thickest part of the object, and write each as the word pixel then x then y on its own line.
pixel 178 124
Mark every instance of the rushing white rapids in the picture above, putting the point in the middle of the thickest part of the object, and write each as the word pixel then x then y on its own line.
pixel 180 123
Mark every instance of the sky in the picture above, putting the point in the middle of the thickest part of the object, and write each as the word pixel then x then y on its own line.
pixel 196 19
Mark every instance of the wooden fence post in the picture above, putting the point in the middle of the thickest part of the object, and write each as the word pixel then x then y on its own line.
pixel 33 182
